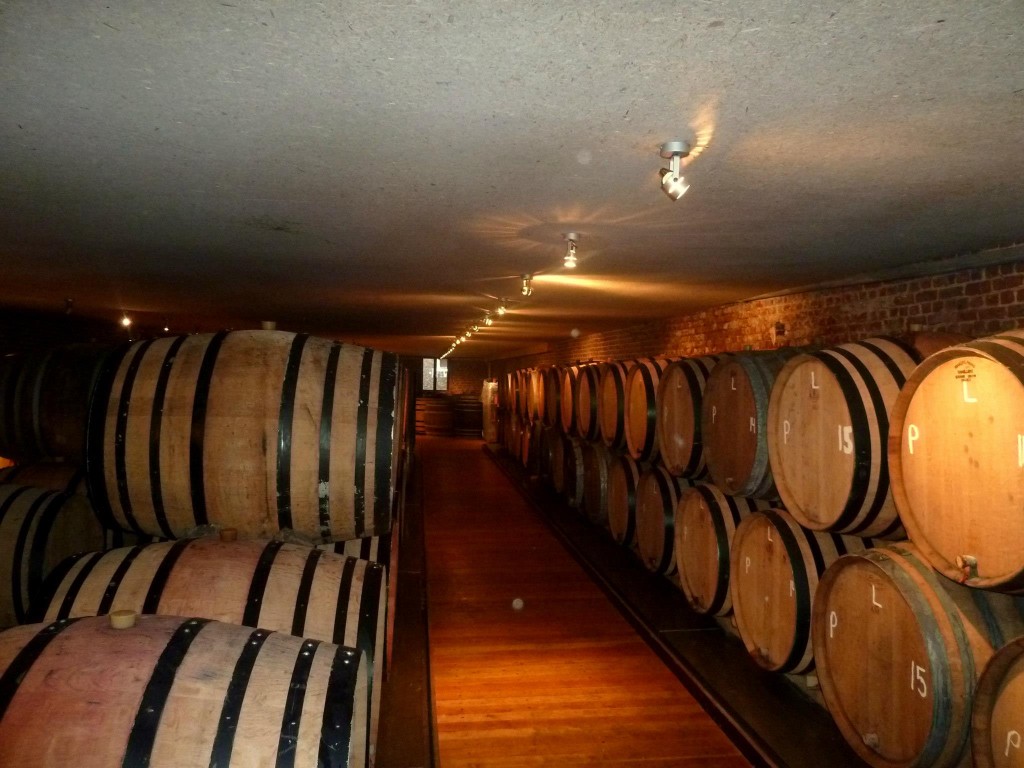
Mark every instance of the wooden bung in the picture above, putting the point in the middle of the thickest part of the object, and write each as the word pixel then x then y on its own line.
pixel 828 426
pixel 174 691
pixel 956 448
pixel 899 649
pixel 679 399
pixel 624 475
pixel 656 499
pixel 705 524
pixel 123 619
pixel 775 567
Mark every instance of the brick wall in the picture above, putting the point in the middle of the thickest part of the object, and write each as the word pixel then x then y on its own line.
pixel 977 301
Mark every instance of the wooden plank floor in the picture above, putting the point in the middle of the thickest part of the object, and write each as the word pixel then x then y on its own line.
pixel 565 681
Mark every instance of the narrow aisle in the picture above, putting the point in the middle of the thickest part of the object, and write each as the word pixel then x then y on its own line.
pixel 565 681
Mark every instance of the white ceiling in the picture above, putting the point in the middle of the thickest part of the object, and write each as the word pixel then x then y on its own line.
pixel 380 171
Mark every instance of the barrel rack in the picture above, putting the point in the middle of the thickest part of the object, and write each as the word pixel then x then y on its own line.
pixel 770 719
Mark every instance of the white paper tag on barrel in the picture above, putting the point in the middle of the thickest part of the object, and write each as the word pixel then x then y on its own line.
pixel 828 426
pixel 260 431
pixel 172 691
pixel 899 649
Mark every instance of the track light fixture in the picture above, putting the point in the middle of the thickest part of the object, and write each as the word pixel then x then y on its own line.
pixel 502 309
pixel 488 320
pixel 672 182
pixel 570 250
pixel 527 289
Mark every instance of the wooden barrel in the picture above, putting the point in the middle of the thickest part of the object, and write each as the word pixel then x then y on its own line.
pixel 173 691
pixel 596 461
pixel 678 405
pixel 523 379
pixel 376 549
pixel 44 401
pixel 641 412
pixel 705 523
pixel 960 417
pixel 573 470
pixel 899 649
pixel 775 568
pixel 734 421
pixel 611 404
pixel 569 376
pixel 38 530
pixel 551 451
pixel 557 442
pixel 552 380
pixel 657 496
pixel 260 431
pixel 281 587
pixel 535 394
pixel 996 725
pixel 435 415
pixel 468 416
pixel 624 475
pixel 514 434
pixel 49 475
pixel 828 427
pixel 588 397
pixel 536 463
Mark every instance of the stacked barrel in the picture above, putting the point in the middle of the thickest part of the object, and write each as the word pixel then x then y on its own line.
pixel 853 511
pixel 254 476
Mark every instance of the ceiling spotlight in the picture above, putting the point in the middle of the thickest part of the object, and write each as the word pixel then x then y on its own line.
pixel 488 320
pixel 502 309
pixel 672 181
pixel 527 289
pixel 468 334
pixel 570 250
pixel 126 321
pixel 475 327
